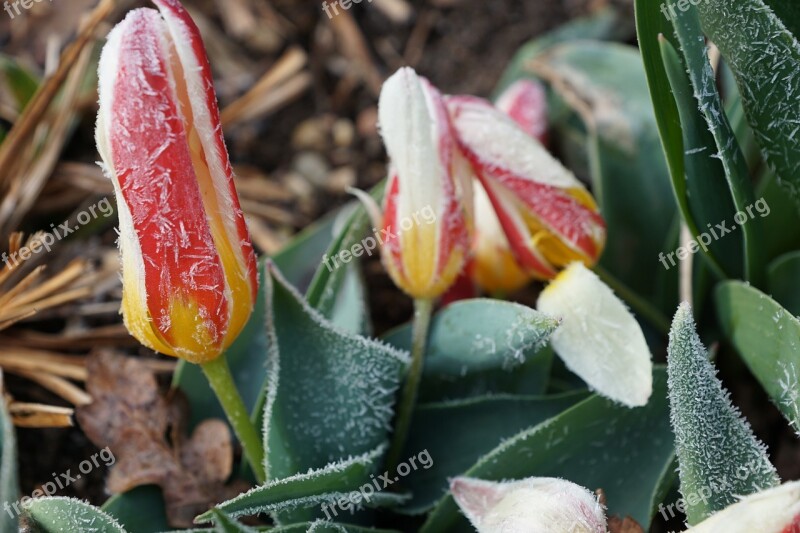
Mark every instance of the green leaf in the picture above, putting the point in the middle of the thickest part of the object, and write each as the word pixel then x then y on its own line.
pixel 719 457
pixel 728 152
pixel 768 338
pixel 324 526
pixel 225 524
pixel 596 444
pixel 56 515
pixel 9 486
pixel 782 281
pixel 765 59
pixel 247 359
pixel 605 24
pixel 22 83
pixel 140 509
pixel 315 486
pixel 702 191
pixel 330 393
pixel 301 258
pixel 483 346
pixel 456 434
pixel 609 118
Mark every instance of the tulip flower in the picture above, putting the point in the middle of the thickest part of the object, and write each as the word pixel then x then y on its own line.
pixel 426 173
pixel 775 510
pixel 533 505
pixel 525 101
pixel 426 217
pixel 548 216
pixel 598 339
pixel 188 267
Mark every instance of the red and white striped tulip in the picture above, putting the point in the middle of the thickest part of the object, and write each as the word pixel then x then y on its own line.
pixel 188 266
pixel 427 176
pixel 533 505
pixel 548 216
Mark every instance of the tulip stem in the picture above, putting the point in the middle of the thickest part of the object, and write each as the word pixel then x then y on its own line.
pixel 219 377
pixel 423 309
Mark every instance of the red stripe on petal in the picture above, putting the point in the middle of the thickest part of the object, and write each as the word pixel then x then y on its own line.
pixel 794 527
pixel 526 102
pixel 179 15
pixel 154 169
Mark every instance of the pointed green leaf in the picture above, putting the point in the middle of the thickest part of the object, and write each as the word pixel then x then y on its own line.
pixel 768 338
pixel 339 477
pixel 456 434
pixel 725 148
pixel 56 515
pixel 330 393
pixel 225 524
pixel 324 526
pixel 596 444
pixel 765 59
pixel 483 346
pixel 719 457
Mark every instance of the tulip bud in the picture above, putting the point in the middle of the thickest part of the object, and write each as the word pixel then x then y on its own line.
pixel 599 339
pixel 425 218
pixel 525 101
pixel 548 216
pixel 775 510
pixel 188 267
pixel 533 505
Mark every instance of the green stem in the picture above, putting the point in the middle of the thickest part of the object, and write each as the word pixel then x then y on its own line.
pixel 219 377
pixel 637 303
pixel 408 399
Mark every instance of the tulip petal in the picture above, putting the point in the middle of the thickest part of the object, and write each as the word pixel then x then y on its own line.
pixel 533 505
pixel 525 101
pixel 599 339
pixel 776 510
pixel 557 214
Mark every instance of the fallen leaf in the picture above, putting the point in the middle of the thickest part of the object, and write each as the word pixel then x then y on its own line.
pixel 131 416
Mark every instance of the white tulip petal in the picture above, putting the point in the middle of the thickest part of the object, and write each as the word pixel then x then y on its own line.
pixel 599 339
pixel 775 510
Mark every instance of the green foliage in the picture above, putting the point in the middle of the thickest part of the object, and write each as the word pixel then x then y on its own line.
pixel 56 515
pixel 9 487
pixel 719 457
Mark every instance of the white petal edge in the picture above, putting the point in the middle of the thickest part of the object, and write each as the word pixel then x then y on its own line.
pixel 770 511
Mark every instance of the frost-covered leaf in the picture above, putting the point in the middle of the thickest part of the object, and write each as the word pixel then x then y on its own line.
pixel 140 509
pixel 768 338
pixel 596 444
pixel 456 434
pixel 330 393
pixel 225 524
pixel 716 159
pixel 599 339
pixel 339 477
pixel 324 526
pixel 57 515
pixel 719 457
pixel 775 510
pixel 9 487
pixel 481 346
pixel 765 58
